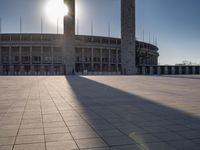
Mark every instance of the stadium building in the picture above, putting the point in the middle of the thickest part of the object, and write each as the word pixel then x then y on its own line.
pixel 59 54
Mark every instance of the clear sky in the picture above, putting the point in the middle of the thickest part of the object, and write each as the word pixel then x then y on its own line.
pixel 176 23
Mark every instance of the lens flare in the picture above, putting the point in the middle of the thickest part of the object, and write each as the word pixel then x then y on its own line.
pixel 56 9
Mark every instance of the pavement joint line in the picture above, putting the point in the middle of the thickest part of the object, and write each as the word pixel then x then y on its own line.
pixel 42 117
pixel 22 115
pixel 61 116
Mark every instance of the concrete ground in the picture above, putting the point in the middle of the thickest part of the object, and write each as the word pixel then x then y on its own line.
pixel 100 113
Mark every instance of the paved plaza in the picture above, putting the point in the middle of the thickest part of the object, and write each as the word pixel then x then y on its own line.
pixel 100 113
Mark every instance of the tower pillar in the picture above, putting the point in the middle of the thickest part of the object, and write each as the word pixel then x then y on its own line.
pixel 128 44
pixel 69 38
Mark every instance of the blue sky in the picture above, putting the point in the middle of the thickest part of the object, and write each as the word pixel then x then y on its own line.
pixel 176 23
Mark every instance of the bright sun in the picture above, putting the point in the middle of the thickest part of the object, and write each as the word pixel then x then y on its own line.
pixel 56 9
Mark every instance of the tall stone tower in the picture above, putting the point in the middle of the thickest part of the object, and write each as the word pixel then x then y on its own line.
pixel 69 38
pixel 128 46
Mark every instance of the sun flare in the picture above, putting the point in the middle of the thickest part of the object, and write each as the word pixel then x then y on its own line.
pixel 56 9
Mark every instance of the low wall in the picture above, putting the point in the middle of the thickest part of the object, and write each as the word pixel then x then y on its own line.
pixel 168 70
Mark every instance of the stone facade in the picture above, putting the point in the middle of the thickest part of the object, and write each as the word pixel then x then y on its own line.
pixel 128 46
pixel 43 54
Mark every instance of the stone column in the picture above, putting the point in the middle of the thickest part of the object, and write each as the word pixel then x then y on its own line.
pixel 52 72
pixel 193 70
pixel 20 55
pixel 0 55
pixel 42 70
pixel 11 69
pixel 151 60
pixel 128 51
pixel 69 37
pixel 10 55
pixel 52 55
pixel 199 69
pixel 173 70
pixel 83 58
pixel 31 55
pixel 117 61
pixel 151 70
pixel 61 70
pixel 41 55
pixel 166 70
pixel 158 70
pixel 32 70
pixel 186 70
pixel 101 63
pixel 1 69
pixel 180 70
pixel 109 59
pixel 143 70
pixel 92 58
pixel 22 72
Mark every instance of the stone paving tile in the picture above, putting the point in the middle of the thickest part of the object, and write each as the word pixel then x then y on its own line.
pixel 37 146
pixel 91 143
pixel 9 127
pixel 110 133
pixel 177 128
pixel 169 136
pixel 7 132
pixel 62 145
pixel 85 135
pixel 144 138
pixel 7 141
pixel 32 120
pixel 6 147
pixel 189 134
pixel 56 130
pixel 104 148
pixel 54 124
pixel 158 146
pixel 197 141
pixel 29 139
pixel 58 137
pixel 86 128
pixel 31 126
pixel 122 140
pixel 184 145
pixel 128 147
pixel 34 131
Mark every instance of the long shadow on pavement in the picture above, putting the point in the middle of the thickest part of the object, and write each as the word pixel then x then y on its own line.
pixel 125 121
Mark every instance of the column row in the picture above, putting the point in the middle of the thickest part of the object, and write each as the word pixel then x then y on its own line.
pixel 98 59
pixel 30 55
pixel 31 69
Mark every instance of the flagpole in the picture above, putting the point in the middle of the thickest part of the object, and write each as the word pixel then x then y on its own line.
pixel 109 29
pixel 92 28
pixel 149 37
pixel 153 40
pixel 143 35
pixel 0 24
pixel 41 25
pixel 20 24
pixel 77 26
pixel 57 27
